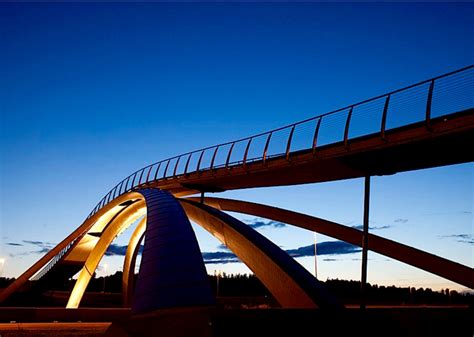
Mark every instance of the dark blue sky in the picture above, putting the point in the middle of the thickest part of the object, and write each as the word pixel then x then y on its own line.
pixel 91 92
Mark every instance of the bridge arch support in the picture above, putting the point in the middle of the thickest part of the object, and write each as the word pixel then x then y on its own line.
pixel 437 265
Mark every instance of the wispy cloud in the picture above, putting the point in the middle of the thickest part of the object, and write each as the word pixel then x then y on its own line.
pixel 259 223
pixel 464 238
pixel 42 247
pixel 219 257
pixel 13 244
pixel 400 220
pixel 118 250
pixel 361 227
pixel 323 248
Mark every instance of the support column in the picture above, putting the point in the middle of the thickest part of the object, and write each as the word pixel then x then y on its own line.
pixel 365 243
pixel 172 272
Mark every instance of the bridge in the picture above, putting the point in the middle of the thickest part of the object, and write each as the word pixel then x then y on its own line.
pixel 424 125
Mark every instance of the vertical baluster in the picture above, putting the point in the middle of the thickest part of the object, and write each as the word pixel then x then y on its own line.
pixel 244 162
pixel 112 193
pixel 141 176
pixel 428 104
pixel 348 122
pixel 133 181
pixel 384 116
pixel 187 164
pixel 288 144
pixel 148 174
pixel 166 168
pixel 126 184
pixel 156 172
pixel 119 188
pixel 316 133
pixel 214 157
pixel 228 155
pixel 199 161
pixel 265 150
pixel 176 167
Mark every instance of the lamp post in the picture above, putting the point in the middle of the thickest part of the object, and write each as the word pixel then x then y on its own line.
pixel 217 273
pixel 315 257
pixel 2 263
pixel 105 272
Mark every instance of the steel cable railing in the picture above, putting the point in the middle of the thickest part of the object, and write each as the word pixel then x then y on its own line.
pixel 435 97
pixel 401 107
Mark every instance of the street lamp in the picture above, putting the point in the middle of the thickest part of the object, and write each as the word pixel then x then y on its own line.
pixel 2 263
pixel 105 272
pixel 217 273
pixel 315 256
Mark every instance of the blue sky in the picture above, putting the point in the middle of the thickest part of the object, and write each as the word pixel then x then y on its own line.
pixel 91 92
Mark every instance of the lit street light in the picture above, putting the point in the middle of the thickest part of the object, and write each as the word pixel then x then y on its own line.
pixel 105 273
pixel 2 263
pixel 217 273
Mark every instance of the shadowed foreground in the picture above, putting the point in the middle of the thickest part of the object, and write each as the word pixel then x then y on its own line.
pixel 376 321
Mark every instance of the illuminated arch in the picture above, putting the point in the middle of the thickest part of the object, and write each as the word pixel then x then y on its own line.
pixel 106 225
pixel 448 269
pixel 89 241
pixel 77 244
pixel 114 228
pixel 289 282
pixel 129 262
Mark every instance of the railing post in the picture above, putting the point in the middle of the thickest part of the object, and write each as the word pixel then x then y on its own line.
pixel 133 181
pixel 176 167
pixel 187 164
pixel 102 203
pixel 120 188
pixel 228 155
pixel 428 104
pixel 106 198
pixel 265 150
pixel 288 144
pixel 199 161
pixel 157 169
pixel 148 174
pixel 348 122
pixel 244 162
pixel 126 184
pixel 214 157
pixel 166 168
pixel 141 176
pixel 113 194
pixel 384 116
pixel 316 133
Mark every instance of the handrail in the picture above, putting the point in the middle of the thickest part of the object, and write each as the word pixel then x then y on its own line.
pixel 320 120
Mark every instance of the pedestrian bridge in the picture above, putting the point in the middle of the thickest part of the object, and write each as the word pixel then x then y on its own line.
pixel 427 124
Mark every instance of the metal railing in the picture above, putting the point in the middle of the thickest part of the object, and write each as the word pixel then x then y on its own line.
pixel 438 96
